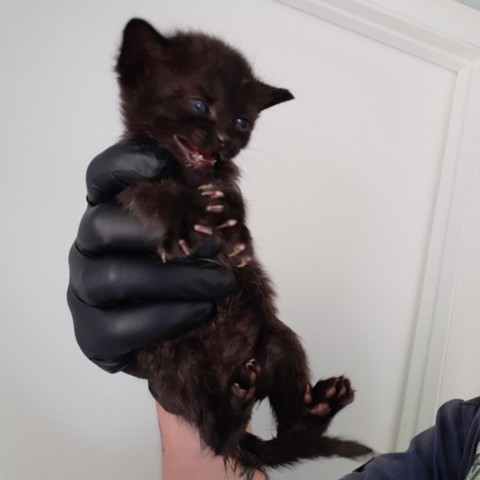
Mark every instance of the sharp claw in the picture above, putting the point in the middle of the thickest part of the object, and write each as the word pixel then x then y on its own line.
pixel 163 255
pixel 245 261
pixel 184 246
pixel 215 208
pixel 203 229
pixel 229 223
pixel 240 247
pixel 213 194
pixel 208 186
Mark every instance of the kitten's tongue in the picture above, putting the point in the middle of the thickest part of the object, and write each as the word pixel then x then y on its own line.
pixel 195 155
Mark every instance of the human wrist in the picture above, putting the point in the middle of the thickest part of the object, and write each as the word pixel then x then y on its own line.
pixel 184 456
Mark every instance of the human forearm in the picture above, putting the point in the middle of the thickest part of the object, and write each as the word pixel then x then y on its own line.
pixel 184 457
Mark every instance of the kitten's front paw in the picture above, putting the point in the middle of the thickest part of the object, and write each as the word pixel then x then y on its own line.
pixel 223 214
pixel 219 211
pixel 188 232
pixel 239 251
pixel 213 211
pixel 175 249
pixel 327 397
pixel 181 242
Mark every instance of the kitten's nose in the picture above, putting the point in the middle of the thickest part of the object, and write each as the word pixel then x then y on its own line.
pixel 221 138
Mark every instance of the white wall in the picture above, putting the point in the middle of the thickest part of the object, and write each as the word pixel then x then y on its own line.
pixel 341 185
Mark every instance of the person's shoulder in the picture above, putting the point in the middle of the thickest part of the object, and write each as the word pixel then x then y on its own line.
pixel 460 407
pixel 459 431
pixel 474 402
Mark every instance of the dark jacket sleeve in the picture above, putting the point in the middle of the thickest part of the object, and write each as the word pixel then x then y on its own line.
pixel 443 452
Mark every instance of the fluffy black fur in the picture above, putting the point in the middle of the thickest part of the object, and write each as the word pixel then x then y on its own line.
pixel 198 98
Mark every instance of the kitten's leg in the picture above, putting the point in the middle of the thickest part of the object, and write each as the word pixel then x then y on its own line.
pixel 220 413
pixel 294 402
pixel 235 408
pixel 288 377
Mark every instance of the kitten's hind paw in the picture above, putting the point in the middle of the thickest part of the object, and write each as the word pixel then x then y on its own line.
pixel 327 397
pixel 244 381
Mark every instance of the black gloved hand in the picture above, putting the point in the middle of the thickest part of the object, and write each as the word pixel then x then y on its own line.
pixel 121 296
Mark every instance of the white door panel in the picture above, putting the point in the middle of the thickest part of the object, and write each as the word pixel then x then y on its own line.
pixel 386 192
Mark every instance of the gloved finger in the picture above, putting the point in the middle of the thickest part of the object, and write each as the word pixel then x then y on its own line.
pixel 211 246
pixel 108 226
pixel 124 163
pixel 108 335
pixel 116 278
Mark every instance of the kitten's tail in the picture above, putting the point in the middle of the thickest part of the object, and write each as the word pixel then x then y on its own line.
pixel 289 448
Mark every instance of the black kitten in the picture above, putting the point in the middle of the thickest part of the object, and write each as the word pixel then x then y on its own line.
pixel 198 98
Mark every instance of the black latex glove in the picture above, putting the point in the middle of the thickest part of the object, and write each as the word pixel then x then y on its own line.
pixel 121 296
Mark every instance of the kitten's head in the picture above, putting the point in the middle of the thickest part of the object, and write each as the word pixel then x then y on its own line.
pixel 190 93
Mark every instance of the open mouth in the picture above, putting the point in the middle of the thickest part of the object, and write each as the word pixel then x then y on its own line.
pixel 195 156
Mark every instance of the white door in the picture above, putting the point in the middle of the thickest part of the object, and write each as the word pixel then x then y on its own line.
pixel 377 229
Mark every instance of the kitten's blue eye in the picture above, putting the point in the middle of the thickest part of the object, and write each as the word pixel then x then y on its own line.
pixel 198 105
pixel 242 124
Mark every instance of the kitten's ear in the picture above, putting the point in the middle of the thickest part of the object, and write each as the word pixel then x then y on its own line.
pixel 270 96
pixel 141 43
